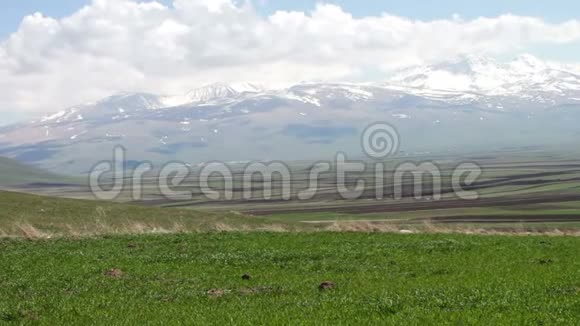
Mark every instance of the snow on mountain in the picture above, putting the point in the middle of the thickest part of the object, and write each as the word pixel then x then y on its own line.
pixel 221 91
pixel 473 80
pixel 486 76
pixel 212 92
pixel 315 93
pixel 116 107
pixel 61 115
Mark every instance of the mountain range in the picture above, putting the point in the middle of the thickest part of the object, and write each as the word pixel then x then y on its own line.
pixel 464 104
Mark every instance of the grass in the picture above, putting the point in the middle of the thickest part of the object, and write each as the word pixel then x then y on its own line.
pixel 380 279
pixel 31 216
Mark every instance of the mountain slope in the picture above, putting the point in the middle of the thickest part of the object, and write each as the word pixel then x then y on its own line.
pixel 464 104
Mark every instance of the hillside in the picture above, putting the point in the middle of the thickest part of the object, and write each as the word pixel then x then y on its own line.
pixel 31 216
pixel 14 173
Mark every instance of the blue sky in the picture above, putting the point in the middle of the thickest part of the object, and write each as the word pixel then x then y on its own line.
pixel 553 11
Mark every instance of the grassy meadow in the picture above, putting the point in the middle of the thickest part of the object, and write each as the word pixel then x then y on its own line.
pixel 376 279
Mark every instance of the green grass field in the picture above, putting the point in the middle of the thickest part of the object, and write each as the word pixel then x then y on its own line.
pixel 379 279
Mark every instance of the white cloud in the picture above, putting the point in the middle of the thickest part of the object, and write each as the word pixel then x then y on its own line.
pixel 122 45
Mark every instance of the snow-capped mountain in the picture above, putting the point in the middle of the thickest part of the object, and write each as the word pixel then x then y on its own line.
pixel 466 103
pixel 221 91
pixel 116 107
pixel 485 76
pixel 212 92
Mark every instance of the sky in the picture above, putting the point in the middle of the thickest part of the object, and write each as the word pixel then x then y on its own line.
pixel 74 51
pixel 554 10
